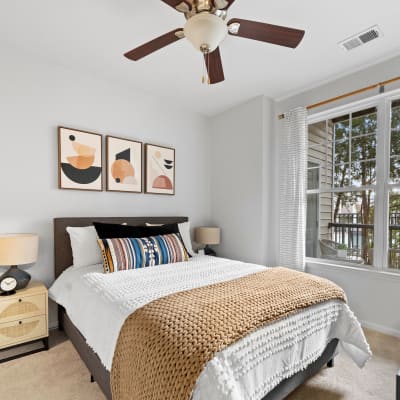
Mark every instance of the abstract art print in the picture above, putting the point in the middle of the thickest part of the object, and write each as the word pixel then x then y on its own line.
pixel 79 160
pixel 124 165
pixel 160 169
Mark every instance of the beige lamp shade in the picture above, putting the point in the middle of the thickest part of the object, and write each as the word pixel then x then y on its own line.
pixel 18 249
pixel 207 235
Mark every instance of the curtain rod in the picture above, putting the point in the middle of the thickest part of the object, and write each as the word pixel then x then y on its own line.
pixel 380 85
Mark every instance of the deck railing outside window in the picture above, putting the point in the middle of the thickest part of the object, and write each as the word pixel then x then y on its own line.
pixel 358 238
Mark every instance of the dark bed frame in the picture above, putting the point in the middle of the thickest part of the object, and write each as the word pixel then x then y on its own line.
pixel 63 259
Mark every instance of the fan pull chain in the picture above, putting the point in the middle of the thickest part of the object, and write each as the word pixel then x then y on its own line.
pixel 203 79
pixel 206 68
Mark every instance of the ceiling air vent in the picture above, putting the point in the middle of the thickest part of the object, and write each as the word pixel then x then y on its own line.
pixel 361 38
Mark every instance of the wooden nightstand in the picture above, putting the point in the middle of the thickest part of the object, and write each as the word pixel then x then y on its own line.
pixel 24 318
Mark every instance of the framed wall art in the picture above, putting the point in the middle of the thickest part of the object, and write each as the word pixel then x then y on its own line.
pixel 124 165
pixel 160 169
pixel 79 160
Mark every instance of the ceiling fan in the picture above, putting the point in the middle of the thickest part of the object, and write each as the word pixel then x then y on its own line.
pixel 206 28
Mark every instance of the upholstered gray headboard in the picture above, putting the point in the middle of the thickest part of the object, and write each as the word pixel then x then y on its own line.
pixel 62 244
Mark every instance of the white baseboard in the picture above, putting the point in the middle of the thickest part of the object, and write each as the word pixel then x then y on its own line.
pixel 380 328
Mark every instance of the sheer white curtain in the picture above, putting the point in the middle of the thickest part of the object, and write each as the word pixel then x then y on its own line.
pixel 292 189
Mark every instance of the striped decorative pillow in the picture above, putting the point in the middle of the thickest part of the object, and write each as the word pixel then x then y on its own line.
pixel 131 253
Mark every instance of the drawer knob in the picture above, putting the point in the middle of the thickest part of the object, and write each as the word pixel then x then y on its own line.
pixel 19 300
pixel 20 322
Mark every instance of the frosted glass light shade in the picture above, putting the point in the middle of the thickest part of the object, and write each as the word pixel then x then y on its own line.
pixel 205 30
pixel 18 249
pixel 208 235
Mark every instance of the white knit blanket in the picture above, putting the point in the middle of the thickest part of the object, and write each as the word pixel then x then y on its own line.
pixel 98 305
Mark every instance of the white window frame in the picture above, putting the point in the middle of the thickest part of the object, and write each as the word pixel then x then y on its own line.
pixel 382 187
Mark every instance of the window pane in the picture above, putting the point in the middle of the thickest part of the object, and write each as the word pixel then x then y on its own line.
pixel 364 122
pixel 340 226
pixel 341 128
pixel 395 144
pixel 313 176
pixel 341 177
pixel 363 173
pixel 394 230
pixel 363 148
pixel 320 154
pixel 312 225
pixel 342 154
pixel 394 170
pixel 355 148
pixel 342 151
pixel 352 226
pixel 396 115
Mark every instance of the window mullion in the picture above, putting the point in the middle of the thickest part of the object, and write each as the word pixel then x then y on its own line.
pixel 382 177
pixel 350 147
pixel 385 181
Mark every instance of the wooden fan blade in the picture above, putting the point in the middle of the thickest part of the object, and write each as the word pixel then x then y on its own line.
pixel 274 34
pixel 214 66
pixel 179 5
pixel 154 45
pixel 223 4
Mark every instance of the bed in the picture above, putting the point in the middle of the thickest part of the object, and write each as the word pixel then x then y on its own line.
pixel 96 364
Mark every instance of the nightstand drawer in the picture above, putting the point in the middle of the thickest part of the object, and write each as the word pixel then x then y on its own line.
pixel 24 330
pixel 22 307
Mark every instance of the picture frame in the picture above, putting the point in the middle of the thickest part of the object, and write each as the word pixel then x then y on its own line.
pixel 80 160
pixel 124 165
pixel 160 165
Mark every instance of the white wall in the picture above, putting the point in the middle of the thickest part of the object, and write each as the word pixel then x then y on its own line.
pixel 34 99
pixel 373 296
pixel 237 179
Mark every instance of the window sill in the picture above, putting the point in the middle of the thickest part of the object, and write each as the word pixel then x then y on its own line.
pixel 320 262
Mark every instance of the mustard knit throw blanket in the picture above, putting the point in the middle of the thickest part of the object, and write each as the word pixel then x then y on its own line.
pixel 164 346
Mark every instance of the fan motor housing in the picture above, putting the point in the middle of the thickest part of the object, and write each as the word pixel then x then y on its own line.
pixel 209 6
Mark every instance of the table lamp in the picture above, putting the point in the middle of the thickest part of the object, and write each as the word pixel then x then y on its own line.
pixel 18 249
pixel 208 235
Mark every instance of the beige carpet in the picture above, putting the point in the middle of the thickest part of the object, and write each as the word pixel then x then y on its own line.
pixel 59 374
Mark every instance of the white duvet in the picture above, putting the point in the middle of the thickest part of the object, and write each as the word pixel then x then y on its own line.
pixel 98 305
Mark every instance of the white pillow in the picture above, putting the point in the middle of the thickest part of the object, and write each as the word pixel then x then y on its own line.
pixel 184 230
pixel 85 249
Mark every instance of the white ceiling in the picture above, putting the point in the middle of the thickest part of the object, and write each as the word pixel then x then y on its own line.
pixel 92 35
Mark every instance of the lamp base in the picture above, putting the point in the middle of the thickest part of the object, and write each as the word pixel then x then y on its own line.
pixel 8 293
pixel 22 277
pixel 209 251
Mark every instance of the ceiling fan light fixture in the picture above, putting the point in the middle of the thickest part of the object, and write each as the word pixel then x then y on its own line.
pixel 205 31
